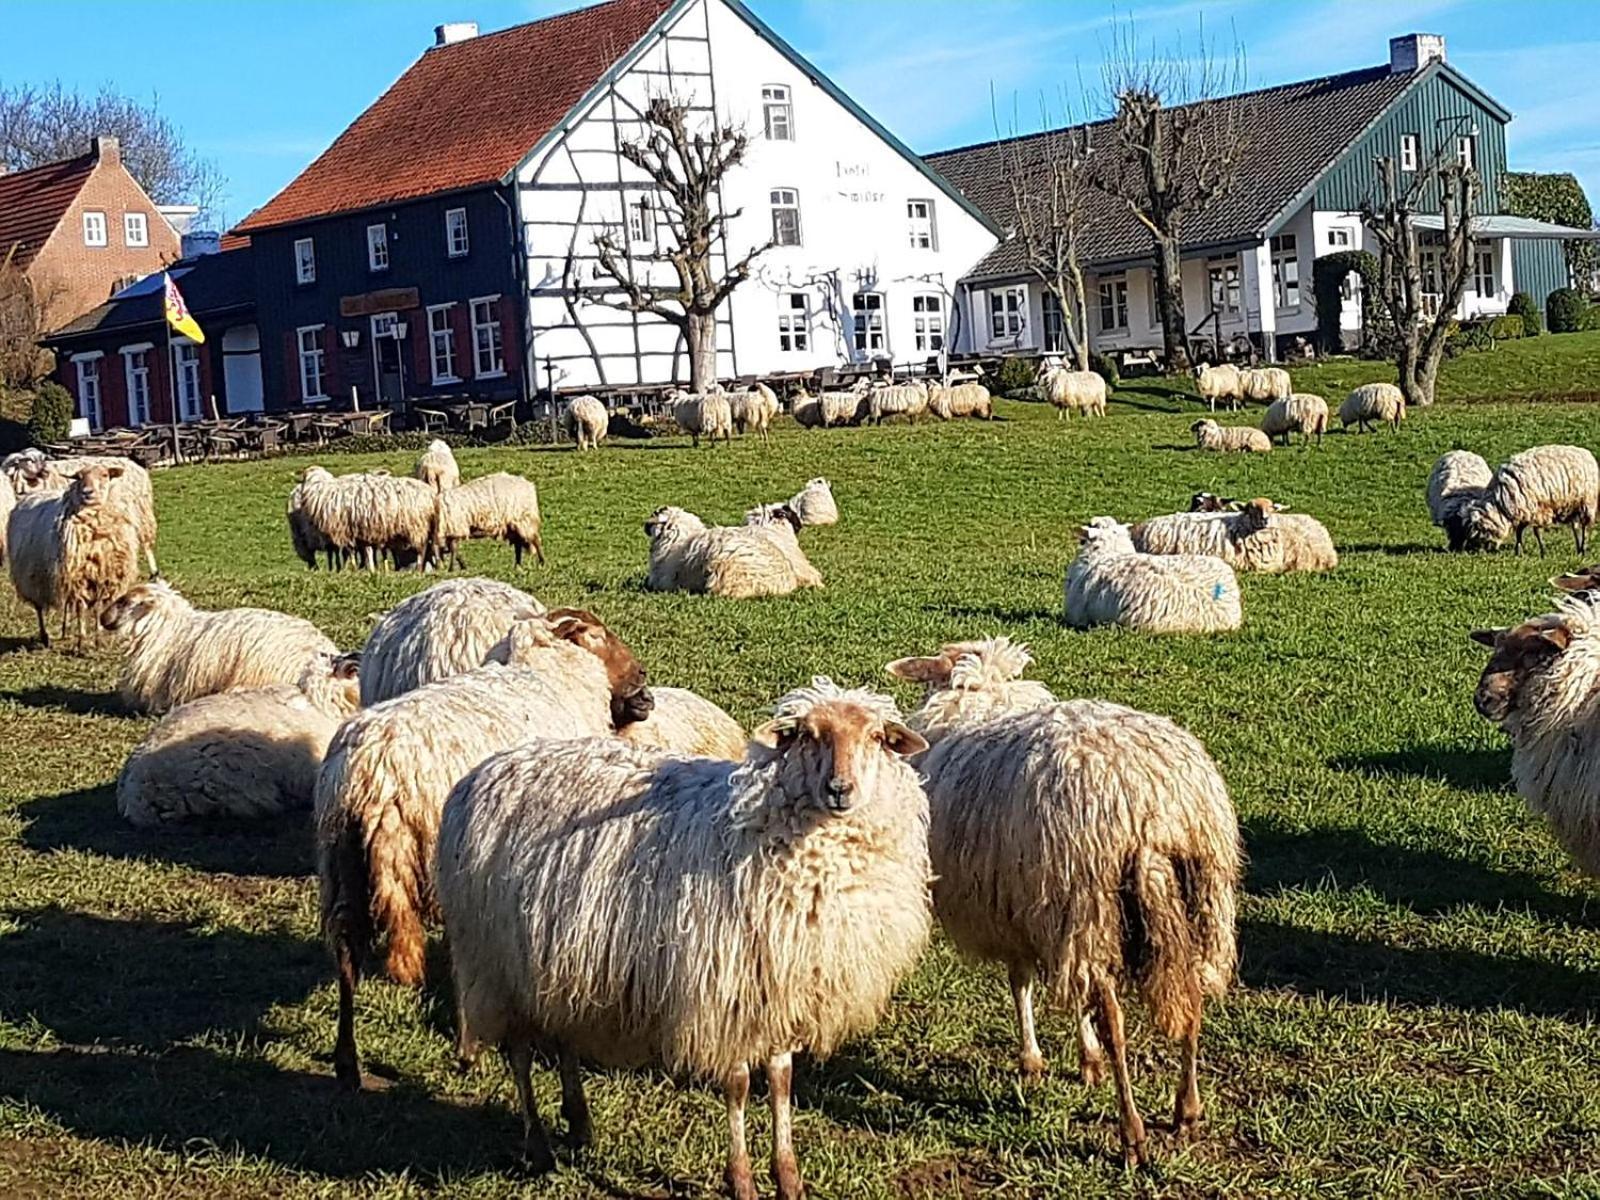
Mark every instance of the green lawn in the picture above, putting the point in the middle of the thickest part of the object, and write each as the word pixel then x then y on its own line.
pixel 1416 1013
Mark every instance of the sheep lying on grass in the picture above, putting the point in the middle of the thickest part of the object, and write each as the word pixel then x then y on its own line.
pixel 629 909
pixel 1539 488
pixel 1373 403
pixel 1110 583
pixel 1259 537
pixel 948 402
pixel 1304 413
pixel 500 506
pixel 1081 392
pixel 586 421
pixel 437 468
pixel 814 503
pixel 1086 846
pixel 1458 482
pixel 244 754
pixel 32 472
pixel 177 653
pixel 736 561
pixel 390 767
pixel 682 722
pixel 439 632
pixel 1208 435
pixel 1218 383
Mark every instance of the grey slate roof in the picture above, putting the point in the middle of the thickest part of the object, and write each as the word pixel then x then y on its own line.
pixel 1296 131
pixel 211 284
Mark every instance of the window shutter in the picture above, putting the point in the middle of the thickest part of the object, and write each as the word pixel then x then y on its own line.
pixel 420 372
pixel 113 392
pixel 292 396
pixel 332 376
pixel 510 337
pixel 461 334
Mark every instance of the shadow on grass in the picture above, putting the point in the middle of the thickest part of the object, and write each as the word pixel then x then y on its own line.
pixel 71 700
pixel 1167 401
pixel 994 612
pixel 1394 550
pixel 87 820
pixel 1475 770
pixel 19 645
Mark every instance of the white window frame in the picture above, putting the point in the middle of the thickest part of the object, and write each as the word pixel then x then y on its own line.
pixel 794 323
pixel 1111 292
pixel 94 229
pixel 1285 252
pixel 313 363
pixel 1341 237
pixel 1409 151
pixel 136 379
pixel 378 247
pixel 135 229
pixel 777 112
pixel 442 345
pixel 89 404
pixel 786 200
pixel 457 238
pixel 186 379
pixel 641 221
pixel 1231 286
pixel 1485 254
pixel 305 260
pixel 924 231
pixel 927 322
pixel 1008 313
pixel 868 332
pixel 487 329
pixel 1467 151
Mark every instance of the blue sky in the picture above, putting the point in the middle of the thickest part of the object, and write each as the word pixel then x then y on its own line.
pixel 262 88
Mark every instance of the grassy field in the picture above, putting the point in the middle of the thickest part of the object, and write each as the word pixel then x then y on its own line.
pixel 1416 1013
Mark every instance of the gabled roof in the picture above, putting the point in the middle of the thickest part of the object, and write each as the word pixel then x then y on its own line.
pixel 210 283
pixel 32 203
pixel 1297 131
pixel 463 115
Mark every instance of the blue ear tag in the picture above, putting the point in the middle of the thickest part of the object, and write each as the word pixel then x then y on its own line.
pixel 1217 590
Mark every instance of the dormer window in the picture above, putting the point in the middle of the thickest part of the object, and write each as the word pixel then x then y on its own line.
pixel 377 247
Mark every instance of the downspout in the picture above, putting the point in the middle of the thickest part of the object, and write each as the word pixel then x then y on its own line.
pixel 519 273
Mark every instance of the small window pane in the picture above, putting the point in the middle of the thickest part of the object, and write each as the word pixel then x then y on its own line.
pixel 378 247
pixel 305 261
pixel 94 229
pixel 455 232
pixel 135 229
pixel 785 217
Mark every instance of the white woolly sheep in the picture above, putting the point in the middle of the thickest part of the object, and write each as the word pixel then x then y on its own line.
pixel 436 466
pixel 908 400
pixel 1263 385
pixel 1208 435
pixel 31 472
pixel 948 402
pixel 1539 488
pixel 1259 537
pixel 814 503
pixel 177 653
pixel 73 551
pixel 390 767
pixel 705 916
pixel 848 407
pixel 708 415
pixel 1085 846
pixel 1110 583
pixel 500 506
pixel 245 754
pixel 1542 686
pixel 1304 413
pixel 586 421
pixel 1082 392
pixel 365 515
pixel 1218 383
pixel 1373 402
pixel 307 538
pixel 1460 479
pixel 967 683
pixel 736 561
pixel 806 410
pixel 754 409
pixel 8 501
pixel 682 722
pixel 439 632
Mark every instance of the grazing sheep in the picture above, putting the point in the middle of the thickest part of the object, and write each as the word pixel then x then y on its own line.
pixel 437 468
pixel 1082 392
pixel 439 632
pixel 1458 482
pixel 390 767
pixel 736 561
pixel 970 682
pixel 1542 686
pixel 708 415
pixel 1259 537
pixel 1373 402
pixel 247 754
pixel 908 400
pixel 501 506
pixel 1110 583
pixel 807 411
pixel 1088 847
pixel 1541 487
pixel 630 909
pixel 947 402
pixel 683 723
pixel 1304 413
pixel 1218 383
pixel 31 472
pixel 364 515
pixel 1265 384
pixel 75 550
pixel 1208 435
pixel 307 538
pixel 848 407
pixel 177 653
pixel 586 421
pixel 754 409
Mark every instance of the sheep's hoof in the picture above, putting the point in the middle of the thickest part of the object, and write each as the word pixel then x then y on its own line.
pixel 1134 1154
pixel 1185 1124
pixel 1033 1068
pixel 739 1182
pixel 348 1074
pixel 537 1159
pixel 786 1178
pixel 1092 1072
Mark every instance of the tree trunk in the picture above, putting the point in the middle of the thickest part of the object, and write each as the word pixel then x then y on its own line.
pixel 1418 370
pixel 1169 305
pixel 701 335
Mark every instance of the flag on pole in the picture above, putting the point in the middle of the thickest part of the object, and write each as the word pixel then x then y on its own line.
pixel 177 313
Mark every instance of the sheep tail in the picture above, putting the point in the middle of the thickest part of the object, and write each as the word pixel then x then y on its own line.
pixel 398 886
pixel 1160 941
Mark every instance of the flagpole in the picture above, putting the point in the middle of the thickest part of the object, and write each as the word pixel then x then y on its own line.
pixel 172 369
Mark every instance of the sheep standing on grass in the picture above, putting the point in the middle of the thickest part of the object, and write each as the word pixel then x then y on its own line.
pixel 1539 488
pixel 736 561
pixel 363 515
pixel 1087 847
pixel 847 407
pixel 178 653
pixel 245 754
pixel 908 400
pixel 32 472
pixel 708 415
pixel 439 632
pixel 708 917
pixel 807 412
pixel 1082 392
pixel 1373 403
pixel 1263 385
pixel 74 551
pixel 499 506
pixel 1259 537
pixel 682 722
pixel 586 421
pixel 754 409
pixel 1208 435
pixel 950 401
pixel 436 466
pixel 1458 482
pixel 308 539
pixel 1304 413
pixel 1110 583
pixel 1218 383
pixel 390 767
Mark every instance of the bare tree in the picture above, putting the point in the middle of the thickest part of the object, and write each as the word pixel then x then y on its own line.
pixel 1046 186
pixel 687 169
pixel 1421 293
pixel 1171 148
pixel 25 317
pixel 47 123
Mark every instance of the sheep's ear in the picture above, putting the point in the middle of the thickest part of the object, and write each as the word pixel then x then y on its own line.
pixel 903 740
pixel 920 670
pixel 774 735
pixel 1488 637
pixel 347 666
pixel 1559 636
pixel 575 625
pixel 1576 581
pixel 115 470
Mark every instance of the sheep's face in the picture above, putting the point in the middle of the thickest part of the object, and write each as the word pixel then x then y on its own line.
pixel 1257 514
pixel 630 696
pixel 667 525
pixel 1476 525
pixel 92 485
pixel 1201 428
pixel 1521 655
pixel 1210 502
pixel 836 748
pixel 128 609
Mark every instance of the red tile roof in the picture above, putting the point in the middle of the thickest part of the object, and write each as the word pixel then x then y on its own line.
pixel 463 115
pixel 32 203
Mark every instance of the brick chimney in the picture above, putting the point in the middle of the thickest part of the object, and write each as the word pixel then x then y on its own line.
pixel 1413 51
pixel 452 32
pixel 107 150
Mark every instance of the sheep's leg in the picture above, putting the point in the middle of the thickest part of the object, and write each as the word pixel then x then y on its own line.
pixel 1091 1054
pixel 1031 1060
pixel 1538 537
pixel 538 550
pixel 535 1142
pixel 150 559
pixel 736 1093
pixel 346 1059
pixel 785 1170
pixel 574 1104
pixel 1187 1108
pixel 1517 545
pixel 1108 1010
pixel 516 551
pixel 44 632
pixel 1580 535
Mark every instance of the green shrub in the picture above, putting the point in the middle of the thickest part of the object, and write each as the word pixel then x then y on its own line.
pixel 1522 305
pixel 1106 367
pixel 1564 308
pixel 1507 328
pixel 1016 375
pixel 1591 318
pixel 51 418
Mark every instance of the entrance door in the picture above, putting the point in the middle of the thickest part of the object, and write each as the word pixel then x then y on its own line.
pixel 387 364
pixel 241 369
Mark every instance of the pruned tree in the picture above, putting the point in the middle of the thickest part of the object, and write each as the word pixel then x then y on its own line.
pixel 41 123
pixel 1176 132
pixel 25 312
pixel 687 169
pixel 1421 288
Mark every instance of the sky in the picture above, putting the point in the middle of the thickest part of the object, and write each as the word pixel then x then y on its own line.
pixel 261 88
